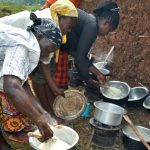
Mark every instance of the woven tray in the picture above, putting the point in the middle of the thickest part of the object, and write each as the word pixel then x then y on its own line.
pixel 71 106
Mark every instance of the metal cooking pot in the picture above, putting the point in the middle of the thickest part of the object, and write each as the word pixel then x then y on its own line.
pixel 146 103
pixel 131 141
pixel 109 114
pixel 137 96
pixel 122 86
pixel 105 71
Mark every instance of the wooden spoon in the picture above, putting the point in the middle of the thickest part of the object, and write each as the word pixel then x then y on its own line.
pixel 87 147
pixel 135 130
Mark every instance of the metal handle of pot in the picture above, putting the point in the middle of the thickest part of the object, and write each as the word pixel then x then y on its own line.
pixel 135 130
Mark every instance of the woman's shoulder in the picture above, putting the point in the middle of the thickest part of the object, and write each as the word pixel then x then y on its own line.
pixel 20 19
pixel 86 18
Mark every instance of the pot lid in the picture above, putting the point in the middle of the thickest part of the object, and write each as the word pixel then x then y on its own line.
pixel 71 106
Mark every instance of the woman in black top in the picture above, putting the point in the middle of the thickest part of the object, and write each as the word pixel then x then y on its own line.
pixel 84 34
pixel 80 40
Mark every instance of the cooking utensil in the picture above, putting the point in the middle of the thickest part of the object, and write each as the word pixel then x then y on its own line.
pixel 146 103
pixel 109 114
pixel 89 141
pixel 71 106
pixel 105 71
pixel 131 141
pixel 109 53
pixel 137 96
pixel 110 92
pixel 135 130
pixel 100 65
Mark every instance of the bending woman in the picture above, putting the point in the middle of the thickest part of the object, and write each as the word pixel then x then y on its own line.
pixel 20 52
pixel 89 26
pixel 64 13
pixel 80 40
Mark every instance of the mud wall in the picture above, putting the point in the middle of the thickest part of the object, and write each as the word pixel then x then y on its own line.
pixel 131 40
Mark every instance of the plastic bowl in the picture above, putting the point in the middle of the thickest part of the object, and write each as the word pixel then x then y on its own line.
pixel 66 134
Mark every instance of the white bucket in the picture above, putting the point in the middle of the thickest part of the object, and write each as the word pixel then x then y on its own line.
pixel 65 134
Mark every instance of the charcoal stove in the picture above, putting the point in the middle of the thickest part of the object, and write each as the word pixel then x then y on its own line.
pixel 104 136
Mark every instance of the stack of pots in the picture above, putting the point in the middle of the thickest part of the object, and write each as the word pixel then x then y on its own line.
pixel 110 116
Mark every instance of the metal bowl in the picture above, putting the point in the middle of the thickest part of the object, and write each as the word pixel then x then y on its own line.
pixel 146 103
pixel 120 99
pixel 131 141
pixel 137 96
pixel 102 68
pixel 100 65
pixel 138 93
pixel 105 71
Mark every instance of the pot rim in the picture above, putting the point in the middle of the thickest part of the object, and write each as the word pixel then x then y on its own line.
pixel 144 105
pixel 129 89
pixel 104 69
pixel 139 87
pixel 100 62
pixel 124 110
pixel 124 132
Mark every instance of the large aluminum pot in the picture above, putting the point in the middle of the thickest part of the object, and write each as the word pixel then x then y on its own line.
pixel 109 114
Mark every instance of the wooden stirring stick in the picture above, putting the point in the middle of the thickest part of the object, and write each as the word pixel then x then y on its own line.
pixel 87 147
pixel 135 130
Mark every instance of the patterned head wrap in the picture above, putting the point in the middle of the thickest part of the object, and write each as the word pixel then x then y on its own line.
pixel 49 29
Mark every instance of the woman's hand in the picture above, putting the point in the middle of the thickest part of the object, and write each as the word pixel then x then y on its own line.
pixel 47 74
pixel 58 91
pixel 44 128
pixel 101 78
pixel 93 83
